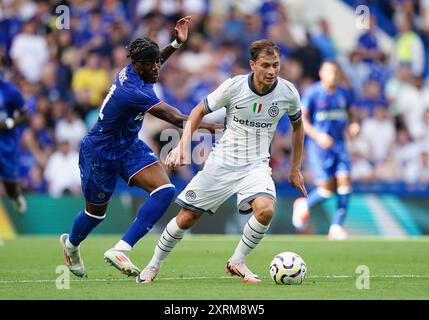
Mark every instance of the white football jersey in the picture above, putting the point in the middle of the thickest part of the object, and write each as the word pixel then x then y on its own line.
pixel 251 119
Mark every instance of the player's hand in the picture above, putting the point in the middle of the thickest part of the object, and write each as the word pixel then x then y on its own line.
pixel 296 179
pixel 324 140
pixel 181 29
pixel 21 116
pixel 175 158
pixel 353 129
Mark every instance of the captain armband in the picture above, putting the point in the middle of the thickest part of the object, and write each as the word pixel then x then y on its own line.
pixel 296 116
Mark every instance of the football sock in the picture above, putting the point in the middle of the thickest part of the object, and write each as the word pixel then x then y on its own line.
pixel 317 195
pixel 253 233
pixel 170 237
pixel 122 246
pixel 83 224
pixel 149 213
pixel 343 201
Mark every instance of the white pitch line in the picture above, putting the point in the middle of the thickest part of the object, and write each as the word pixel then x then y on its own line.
pixel 211 278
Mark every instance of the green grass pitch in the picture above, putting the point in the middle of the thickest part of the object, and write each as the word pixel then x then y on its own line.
pixel 196 269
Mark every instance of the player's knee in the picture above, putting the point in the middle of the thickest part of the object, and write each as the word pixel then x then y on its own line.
pixel 264 213
pixel 165 193
pixel 96 210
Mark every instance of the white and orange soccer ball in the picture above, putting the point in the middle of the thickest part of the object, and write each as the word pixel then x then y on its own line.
pixel 288 268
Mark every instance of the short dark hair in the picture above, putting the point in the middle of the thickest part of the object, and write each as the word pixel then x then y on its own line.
pixel 143 49
pixel 263 45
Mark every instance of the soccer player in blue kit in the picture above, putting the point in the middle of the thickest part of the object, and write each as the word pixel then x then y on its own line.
pixel 12 114
pixel 326 116
pixel 112 149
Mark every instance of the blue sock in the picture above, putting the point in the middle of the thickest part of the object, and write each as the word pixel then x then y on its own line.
pixel 315 196
pixel 83 225
pixel 149 213
pixel 340 215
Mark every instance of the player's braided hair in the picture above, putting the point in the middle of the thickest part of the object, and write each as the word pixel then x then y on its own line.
pixel 143 49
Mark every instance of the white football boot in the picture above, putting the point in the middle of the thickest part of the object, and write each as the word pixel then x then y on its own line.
pixel 147 275
pixel 337 232
pixel 241 270
pixel 120 260
pixel 301 214
pixel 19 204
pixel 72 257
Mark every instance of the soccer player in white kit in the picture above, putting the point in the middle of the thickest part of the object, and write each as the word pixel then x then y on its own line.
pixel 239 163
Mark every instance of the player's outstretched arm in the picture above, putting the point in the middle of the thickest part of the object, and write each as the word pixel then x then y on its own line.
pixel 323 139
pixel 177 156
pixel 353 127
pixel 181 34
pixel 169 113
pixel 296 178
pixel 172 115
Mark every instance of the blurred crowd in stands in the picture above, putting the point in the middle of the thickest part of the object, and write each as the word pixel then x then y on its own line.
pixel 64 75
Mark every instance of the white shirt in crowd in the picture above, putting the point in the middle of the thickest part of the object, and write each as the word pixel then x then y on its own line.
pixel 62 173
pixel 31 52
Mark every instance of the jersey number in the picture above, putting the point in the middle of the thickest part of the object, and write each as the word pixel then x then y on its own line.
pixel 112 89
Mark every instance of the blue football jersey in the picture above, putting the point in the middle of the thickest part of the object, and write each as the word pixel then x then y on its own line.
pixel 10 101
pixel 327 112
pixel 121 115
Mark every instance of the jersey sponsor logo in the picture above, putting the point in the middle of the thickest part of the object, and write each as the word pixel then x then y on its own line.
pixel 273 111
pixel 253 124
pixel 190 195
pixel 339 114
pixel 257 107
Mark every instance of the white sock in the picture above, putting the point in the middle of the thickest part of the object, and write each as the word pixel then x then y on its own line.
pixel 122 246
pixel 253 233
pixel 171 235
pixel 69 245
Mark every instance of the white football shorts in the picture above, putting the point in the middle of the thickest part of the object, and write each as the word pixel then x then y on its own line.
pixel 214 185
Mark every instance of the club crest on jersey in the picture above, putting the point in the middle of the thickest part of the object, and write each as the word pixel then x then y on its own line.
pixel 273 111
pixel 190 195
pixel 101 195
pixel 257 107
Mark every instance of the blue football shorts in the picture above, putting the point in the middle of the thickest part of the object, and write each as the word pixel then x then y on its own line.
pixel 9 164
pixel 327 164
pixel 99 176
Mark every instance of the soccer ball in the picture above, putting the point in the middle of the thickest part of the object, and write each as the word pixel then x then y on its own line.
pixel 288 268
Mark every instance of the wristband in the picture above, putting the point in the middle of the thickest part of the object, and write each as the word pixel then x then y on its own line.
pixel 10 123
pixel 175 44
